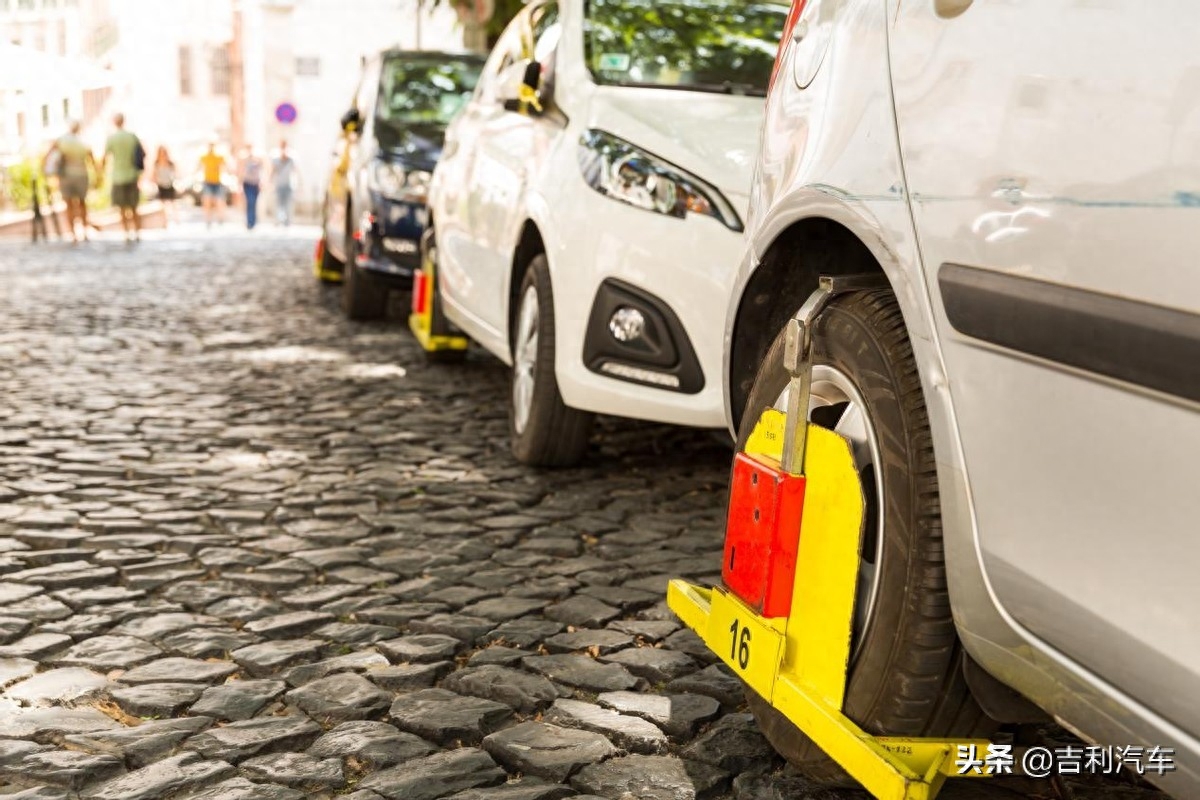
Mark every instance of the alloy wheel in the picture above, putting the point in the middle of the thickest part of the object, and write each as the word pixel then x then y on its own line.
pixel 836 404
pixel 525 355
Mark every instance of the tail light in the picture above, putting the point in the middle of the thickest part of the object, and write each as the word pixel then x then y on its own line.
pixel 788 28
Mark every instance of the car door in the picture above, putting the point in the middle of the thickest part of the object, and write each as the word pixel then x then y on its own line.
pixel 1052 159
pixel 463 187
pixel 505 155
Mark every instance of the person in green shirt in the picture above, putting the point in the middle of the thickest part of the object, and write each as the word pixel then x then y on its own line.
pixel 73 159
pixel 122 148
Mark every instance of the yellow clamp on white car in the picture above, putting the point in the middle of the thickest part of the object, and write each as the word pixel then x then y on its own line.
pixel 432 331
pixel 783 621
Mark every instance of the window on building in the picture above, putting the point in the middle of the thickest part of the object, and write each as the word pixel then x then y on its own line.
pixel 308 66
pixel 26 5
pixel 185 70
pixel 66 108
pixel 45 115
pixel 219 62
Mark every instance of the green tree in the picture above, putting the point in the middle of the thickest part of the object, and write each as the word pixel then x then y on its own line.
pixel 711 42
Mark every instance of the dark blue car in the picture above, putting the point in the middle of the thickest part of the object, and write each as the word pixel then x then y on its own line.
pixel 374 209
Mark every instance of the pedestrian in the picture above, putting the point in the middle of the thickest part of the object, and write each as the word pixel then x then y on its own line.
pixel 251 177
pixel 212 165
pixel 164 179
pixel 128 162
pixel 39 222
pixel 69 159
pixel 283 179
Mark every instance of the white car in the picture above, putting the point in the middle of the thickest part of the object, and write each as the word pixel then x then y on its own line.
pixel 588 208
pixel 1023 179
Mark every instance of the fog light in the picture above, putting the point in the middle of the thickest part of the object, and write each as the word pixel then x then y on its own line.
pixel 627 324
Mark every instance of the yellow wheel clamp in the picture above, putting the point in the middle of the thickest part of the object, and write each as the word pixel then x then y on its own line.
pixel 433 331
pixel 783 619
pixel 318 258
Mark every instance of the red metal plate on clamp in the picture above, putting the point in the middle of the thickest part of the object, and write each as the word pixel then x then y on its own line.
pixel 762 535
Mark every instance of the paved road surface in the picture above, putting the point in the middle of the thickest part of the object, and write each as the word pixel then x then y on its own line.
pixel 251 550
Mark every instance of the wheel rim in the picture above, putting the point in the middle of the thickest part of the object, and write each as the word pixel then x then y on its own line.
pixel 525 359
pixel 836 404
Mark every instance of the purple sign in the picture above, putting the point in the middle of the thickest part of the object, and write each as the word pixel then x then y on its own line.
pixel 285 113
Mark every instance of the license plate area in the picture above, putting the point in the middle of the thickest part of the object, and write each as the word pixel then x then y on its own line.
pixel 748 645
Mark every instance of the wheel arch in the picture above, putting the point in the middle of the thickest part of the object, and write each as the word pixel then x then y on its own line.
pixel 788 272
pixel 530 244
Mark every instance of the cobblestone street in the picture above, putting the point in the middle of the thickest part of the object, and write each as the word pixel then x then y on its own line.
pixel 251 550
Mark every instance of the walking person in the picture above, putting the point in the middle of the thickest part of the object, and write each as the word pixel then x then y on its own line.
pixel 251 177
pixel 212 165
pixel 164 179
pixel 39 221
pixel 128 161
pixel 70 159
pixel 283 179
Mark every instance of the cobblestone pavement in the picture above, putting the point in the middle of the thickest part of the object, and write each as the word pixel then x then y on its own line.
pixel 251 550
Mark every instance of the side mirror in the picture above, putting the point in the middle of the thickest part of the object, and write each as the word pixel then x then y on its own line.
pixel 351 121
pixel 521 82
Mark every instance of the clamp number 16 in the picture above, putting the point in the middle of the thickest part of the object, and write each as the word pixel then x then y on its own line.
pixel 739 646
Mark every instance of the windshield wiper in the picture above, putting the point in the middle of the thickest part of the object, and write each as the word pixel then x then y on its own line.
pixel 728 87
pixel 751 89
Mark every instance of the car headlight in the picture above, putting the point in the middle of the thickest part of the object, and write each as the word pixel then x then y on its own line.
pixel 394 182
pixel 387 179
pixel 624 172
pixel 418 183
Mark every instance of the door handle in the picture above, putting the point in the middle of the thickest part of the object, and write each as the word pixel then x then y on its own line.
pixel 949 9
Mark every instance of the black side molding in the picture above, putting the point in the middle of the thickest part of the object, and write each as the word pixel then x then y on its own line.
pixel 1148 345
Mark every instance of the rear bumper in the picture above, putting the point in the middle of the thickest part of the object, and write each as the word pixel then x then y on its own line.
pixel 391 248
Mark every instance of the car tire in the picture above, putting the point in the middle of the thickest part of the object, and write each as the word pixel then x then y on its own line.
pixel 362 298
pixel 545 432
pixel 906 677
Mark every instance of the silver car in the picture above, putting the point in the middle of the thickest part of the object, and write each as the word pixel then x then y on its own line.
pixel 1022 399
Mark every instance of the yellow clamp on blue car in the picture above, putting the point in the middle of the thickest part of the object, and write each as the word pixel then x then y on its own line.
pixel 783 620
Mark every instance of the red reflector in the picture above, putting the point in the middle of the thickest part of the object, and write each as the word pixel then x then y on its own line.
pixel 420 293
pixel 763 535
pixel 319 252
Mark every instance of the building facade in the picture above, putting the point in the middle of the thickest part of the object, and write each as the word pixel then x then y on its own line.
pixel 187 72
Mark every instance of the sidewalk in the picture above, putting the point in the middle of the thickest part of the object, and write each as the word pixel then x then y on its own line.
pixel 17 225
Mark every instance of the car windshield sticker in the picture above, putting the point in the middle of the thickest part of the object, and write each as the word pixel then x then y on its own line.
pixel 614 62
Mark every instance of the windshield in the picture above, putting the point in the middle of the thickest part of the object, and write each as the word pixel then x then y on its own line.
pixel 423 93
pixel 701 45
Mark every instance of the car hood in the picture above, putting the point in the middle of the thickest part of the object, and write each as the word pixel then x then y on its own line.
pixel 713 136
pixel 419 146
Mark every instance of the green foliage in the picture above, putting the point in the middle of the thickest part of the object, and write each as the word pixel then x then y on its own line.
pixel 18 187
pixel 505 11
pixel 503 14
pixel 686 41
